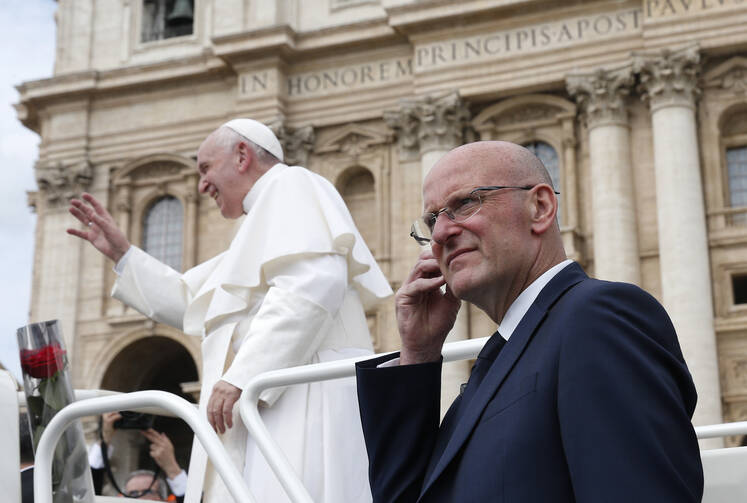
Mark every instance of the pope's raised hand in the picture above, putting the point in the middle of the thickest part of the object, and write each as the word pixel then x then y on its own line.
pixel 425 314
pixel 99 227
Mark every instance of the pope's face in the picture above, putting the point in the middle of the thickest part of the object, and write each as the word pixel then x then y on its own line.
pixel 220 177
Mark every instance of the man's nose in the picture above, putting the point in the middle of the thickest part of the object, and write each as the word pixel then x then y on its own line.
pixel 444 228
pixel 202 186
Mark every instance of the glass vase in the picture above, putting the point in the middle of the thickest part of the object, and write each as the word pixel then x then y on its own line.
pixel 46 383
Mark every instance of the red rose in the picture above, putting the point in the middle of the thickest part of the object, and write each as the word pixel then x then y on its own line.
pixel 44 362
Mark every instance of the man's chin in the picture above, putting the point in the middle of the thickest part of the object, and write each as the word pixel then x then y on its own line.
pixel 464 287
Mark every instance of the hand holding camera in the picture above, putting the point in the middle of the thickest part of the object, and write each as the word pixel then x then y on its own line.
pixel 162 452
pixel 129 420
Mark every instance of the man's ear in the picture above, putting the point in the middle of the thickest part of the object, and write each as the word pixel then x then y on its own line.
pixel 244 157
pixel 544 208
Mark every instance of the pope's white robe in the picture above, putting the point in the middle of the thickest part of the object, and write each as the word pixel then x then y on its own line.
pixel 291 289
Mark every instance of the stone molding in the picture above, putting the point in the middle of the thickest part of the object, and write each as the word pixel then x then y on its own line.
pixel 60 182
pixel 425 124
pixel 297 143
pixel 602 95
pixel 669 78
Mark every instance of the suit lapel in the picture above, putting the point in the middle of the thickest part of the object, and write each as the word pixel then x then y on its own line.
pixel 503 364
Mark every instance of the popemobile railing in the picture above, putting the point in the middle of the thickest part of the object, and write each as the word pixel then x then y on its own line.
pixel 725 472
pixel 151 401
pixel 460 350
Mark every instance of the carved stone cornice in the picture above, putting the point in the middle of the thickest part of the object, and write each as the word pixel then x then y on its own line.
pixel 669 78
pixel 297 143
pixel 602 95
pixel 429 123
pixel 58 182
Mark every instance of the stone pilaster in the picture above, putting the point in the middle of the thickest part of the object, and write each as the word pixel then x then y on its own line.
pixel 192 200
pixel 602 97
pixel 56 269
pixel 431 126
pixel 669 83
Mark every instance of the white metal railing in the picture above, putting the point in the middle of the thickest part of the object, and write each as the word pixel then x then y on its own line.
pixel 724 469
pixel 161 402
pixel 721 430
pixel 248 405
pixel 139 400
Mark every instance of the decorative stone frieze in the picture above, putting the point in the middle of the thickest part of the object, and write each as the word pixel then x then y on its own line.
pixel 531 113
pixel 353 140
pixel 729 76
pixel 430 123
pixel 297 143
pixel 669 77
pixel 602 95
pixel 58 182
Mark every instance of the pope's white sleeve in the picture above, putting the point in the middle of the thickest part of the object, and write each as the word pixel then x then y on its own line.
pixel 321 279
pixel 292 321
pixel 151 287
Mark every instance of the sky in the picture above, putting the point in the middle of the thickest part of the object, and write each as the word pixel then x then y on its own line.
pixel 27 40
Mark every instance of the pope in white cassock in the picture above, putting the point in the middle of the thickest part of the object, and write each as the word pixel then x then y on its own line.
pixel 291 289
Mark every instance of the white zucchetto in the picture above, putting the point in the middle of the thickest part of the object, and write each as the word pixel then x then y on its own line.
pixel 257 133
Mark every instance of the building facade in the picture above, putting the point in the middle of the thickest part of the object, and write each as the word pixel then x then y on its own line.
pixel 638 108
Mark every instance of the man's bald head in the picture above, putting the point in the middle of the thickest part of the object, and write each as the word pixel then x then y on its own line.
pixel 505 161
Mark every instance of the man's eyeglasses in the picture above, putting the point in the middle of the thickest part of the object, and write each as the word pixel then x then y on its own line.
pixel 460 211
pixel 137 494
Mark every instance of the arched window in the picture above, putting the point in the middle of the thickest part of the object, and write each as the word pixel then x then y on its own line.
pixel 162 231
pixel 549 158
pixel 358 191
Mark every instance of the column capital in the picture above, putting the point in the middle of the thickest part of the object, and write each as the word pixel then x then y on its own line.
pixel 602 95
pixel 669 78
pixel 59 182
pixel 433 122
pixel 297 143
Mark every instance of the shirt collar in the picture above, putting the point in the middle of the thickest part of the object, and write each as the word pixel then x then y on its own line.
pixel 524 301
pixel 260 184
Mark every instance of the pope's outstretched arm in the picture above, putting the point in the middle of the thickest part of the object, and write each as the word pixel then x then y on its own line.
pixel 144 283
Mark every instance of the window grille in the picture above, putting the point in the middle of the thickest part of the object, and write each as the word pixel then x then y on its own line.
pixel 736 162
pixel 162 231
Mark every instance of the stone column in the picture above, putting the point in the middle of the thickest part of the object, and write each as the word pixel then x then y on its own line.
pixel 433 125
pixel 601 96
pixel 669 83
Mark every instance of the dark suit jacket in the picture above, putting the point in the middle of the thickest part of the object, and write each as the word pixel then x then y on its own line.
pixel 590 400
pixel 27 485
